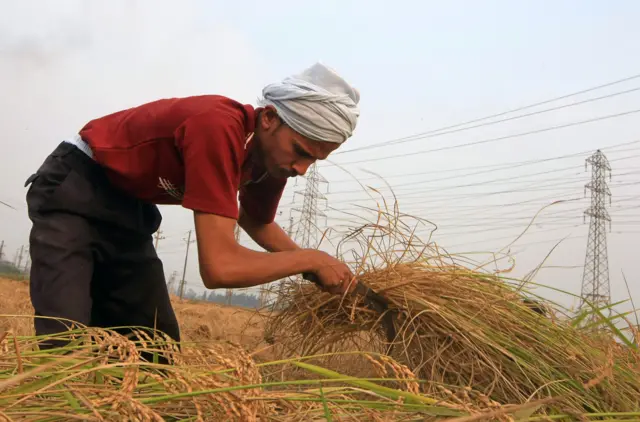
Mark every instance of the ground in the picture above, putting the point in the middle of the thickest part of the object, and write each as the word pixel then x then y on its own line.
pixel 199 321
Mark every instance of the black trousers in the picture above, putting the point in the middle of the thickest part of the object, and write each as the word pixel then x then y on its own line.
pixel 92 254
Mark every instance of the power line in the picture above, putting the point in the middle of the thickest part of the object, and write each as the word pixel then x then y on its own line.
pixel 491 140
pixel 494 167
pixel 504 178
pixel 491 168
pixel 413 191
pixel 564 181
pixel 555 240
pixel 443 230
pixel 493 228
pixel 486 240
pixel 515 110
pixel 441 133
pixel 512 214
pixel 7 205
pixel 472 209
pixel 561 186
pixel 443 222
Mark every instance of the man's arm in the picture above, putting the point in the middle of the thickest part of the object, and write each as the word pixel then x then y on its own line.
pixel 269 236
pixel 226 264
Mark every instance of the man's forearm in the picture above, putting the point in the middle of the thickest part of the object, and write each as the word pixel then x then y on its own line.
pixel 226 264
pixel 271 237
pixel 243 267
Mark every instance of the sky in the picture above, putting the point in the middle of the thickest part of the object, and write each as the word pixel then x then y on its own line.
pixel 419 66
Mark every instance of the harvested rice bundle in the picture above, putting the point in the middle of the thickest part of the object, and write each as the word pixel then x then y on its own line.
pixel 461 328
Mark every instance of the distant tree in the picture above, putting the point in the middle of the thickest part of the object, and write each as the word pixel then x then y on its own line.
pixel 219 298
pixel 238 299
pixel 245 300
pixel 9 270
pixel 191 294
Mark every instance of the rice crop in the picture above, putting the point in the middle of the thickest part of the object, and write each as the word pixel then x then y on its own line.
pixel 102 375
pixel 472 344
pixel 460 326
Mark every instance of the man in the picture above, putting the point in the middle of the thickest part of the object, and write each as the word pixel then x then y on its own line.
pixel 93 200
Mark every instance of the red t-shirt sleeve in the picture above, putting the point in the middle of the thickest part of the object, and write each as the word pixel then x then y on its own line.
pixel 260 200
pixel 212 146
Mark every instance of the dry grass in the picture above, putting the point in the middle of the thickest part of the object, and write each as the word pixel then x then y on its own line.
pixel 463 327
pixel 199 321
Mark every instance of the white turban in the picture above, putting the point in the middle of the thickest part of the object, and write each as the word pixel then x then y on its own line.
pixel 317 103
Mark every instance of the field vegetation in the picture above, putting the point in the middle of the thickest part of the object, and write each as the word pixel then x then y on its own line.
pixel 471 344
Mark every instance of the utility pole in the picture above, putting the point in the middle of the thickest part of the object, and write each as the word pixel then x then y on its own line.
pixel 20 257
pixel 1 250
pixel 229 292
pixel 158 236
pixel 595 279
pixel 184 270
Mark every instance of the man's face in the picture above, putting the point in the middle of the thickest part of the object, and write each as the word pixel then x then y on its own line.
pixel 284 152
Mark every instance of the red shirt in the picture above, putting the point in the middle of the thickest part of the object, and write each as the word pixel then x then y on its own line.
pixel 191 151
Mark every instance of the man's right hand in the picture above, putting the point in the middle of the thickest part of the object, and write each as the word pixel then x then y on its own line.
pixel 334 276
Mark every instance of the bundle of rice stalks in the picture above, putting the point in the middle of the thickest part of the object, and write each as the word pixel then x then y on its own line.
pixel 460 327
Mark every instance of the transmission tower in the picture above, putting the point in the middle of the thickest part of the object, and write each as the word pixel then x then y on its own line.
pixel 307 231
pixel 172 282
pixel 19 257
pixel 595 279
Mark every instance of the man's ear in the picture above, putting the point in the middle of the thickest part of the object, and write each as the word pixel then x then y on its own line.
pixel 269 118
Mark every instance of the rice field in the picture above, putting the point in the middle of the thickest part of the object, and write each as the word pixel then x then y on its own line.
pixel 471 345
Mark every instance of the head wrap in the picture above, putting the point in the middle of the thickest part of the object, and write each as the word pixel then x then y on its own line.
pixel 317 103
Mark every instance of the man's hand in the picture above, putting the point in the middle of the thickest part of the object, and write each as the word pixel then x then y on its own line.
pixel 334 276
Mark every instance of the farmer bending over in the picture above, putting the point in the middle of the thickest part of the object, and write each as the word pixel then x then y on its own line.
pixel 93 200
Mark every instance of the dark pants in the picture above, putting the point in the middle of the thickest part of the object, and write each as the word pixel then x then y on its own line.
pixel 92 254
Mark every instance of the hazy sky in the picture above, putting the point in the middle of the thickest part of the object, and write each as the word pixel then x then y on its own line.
pixel 420 66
